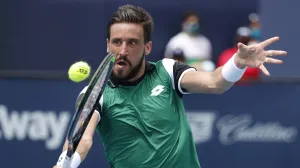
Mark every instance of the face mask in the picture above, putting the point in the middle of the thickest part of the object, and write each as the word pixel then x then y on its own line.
pixel 255 33
pixel 191 27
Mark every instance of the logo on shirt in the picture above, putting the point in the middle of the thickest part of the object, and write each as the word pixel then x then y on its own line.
pixel 157 90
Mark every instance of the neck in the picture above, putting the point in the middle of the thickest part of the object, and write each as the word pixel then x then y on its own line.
pixel 132 81
pixel 140 73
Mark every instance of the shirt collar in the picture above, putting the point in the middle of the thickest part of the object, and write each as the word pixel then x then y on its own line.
pixel 148 68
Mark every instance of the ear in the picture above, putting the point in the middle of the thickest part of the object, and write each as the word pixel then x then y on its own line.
pixel 107 45
pixel 148 47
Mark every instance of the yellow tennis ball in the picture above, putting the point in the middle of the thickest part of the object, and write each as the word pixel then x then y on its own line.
pixel 79 71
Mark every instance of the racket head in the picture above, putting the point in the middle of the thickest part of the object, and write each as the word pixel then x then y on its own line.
pixel 88 103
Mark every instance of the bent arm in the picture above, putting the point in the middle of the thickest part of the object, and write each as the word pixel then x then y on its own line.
pixel 215 82
pixel 205 82
pixel 86 141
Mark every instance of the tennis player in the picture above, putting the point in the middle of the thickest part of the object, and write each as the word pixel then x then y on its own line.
pixel 141 117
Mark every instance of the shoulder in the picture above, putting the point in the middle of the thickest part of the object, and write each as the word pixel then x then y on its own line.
pixel 165 65
pixel 171 65
pixel 177 38
pixel 204 38
pixel 175 71
pixel 181 36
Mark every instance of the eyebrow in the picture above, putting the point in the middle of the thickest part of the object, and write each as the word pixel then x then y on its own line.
pixel 134 39
pixel 129 39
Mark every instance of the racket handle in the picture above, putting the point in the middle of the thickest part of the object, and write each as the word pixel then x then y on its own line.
pixel 67 162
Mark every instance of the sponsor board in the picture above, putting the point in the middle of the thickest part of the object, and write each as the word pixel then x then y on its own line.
pixel 230 129
pixel 37 125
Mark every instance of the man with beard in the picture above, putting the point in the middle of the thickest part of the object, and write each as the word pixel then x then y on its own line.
pixel 141 117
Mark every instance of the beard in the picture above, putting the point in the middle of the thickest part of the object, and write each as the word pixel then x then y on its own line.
pixel 121 75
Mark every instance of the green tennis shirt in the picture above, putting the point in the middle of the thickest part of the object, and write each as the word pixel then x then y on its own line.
pixel 144 124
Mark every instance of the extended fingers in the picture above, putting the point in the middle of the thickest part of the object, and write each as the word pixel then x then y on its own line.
pixel 269 41
pixel 273 61
pixel 264 70
pixel 276 53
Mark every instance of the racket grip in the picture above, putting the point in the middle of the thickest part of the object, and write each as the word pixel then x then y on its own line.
pixel 67 162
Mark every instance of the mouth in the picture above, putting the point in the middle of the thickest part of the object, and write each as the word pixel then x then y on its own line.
pixel 121 63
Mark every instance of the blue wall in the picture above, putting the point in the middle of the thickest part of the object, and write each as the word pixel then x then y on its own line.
pixel 280 18
pixel 58 33
pixel 248 126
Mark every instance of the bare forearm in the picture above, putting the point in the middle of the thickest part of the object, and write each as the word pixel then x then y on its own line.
pixel 220 84
pixel 65 147
pixel 206 82
pixel 84 147
pixel 86 141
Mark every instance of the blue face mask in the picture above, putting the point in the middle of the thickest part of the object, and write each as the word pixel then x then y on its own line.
pixel 256 33
pixel 191 27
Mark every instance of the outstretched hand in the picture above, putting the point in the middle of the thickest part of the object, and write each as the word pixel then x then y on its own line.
pixel 255 56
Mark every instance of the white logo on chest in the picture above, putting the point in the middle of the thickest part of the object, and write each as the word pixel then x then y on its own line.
pixel 157 90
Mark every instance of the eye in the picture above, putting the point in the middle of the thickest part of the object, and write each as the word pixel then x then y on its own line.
pixel 133 42
pixel 116 41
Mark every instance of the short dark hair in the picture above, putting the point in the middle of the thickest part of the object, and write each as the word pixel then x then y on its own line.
pixel 189 14
pixel 135 15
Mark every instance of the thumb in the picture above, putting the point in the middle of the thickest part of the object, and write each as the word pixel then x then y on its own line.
pixel 241 46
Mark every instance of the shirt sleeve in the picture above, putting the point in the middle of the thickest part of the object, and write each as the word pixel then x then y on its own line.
pixel 176 71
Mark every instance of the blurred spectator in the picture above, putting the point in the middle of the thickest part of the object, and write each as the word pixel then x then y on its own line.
pixel 255 28
pixel 243 35
pixel 195 46
pixel 178 55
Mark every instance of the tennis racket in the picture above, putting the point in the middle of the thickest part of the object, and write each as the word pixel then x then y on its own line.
pixel 87 106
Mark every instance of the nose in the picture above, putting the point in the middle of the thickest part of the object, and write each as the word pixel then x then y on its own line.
pixel 123 49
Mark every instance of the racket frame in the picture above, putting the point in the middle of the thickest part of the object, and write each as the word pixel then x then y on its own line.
pixel 108 61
